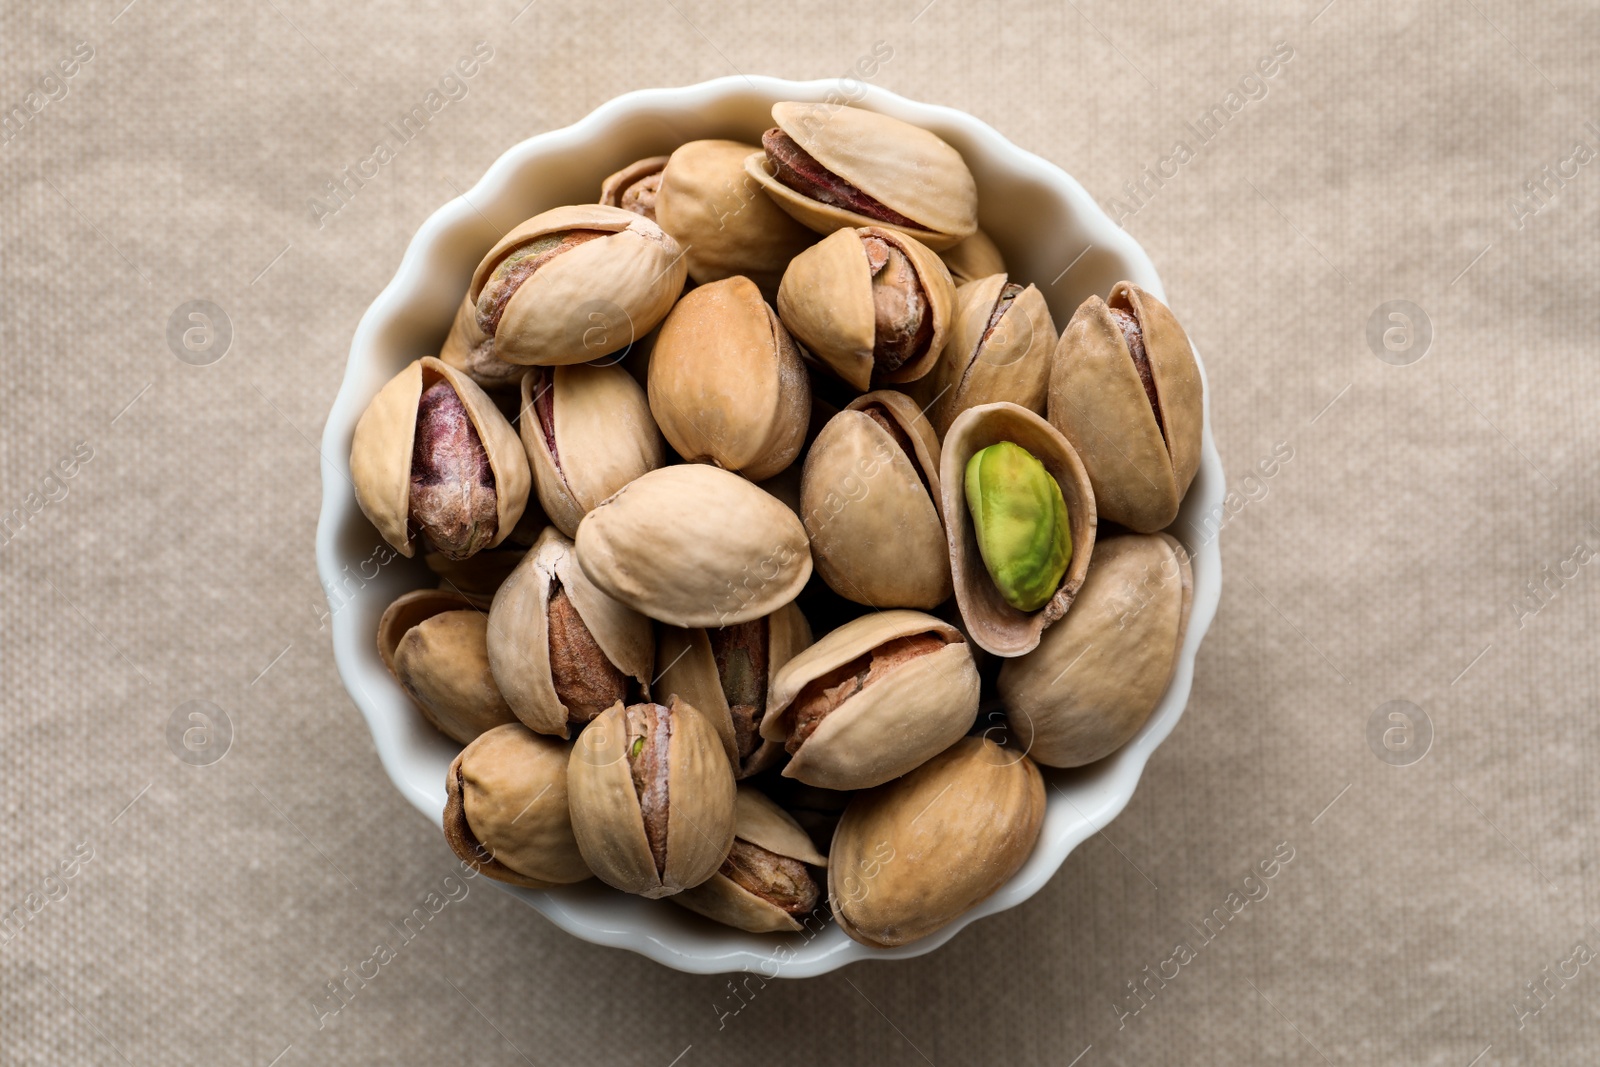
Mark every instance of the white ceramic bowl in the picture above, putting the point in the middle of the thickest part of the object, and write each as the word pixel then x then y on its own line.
pixel 1052 234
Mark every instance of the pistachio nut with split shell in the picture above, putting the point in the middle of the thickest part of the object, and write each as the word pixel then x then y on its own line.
pixel 764 886
pixel 574 284
pixel 725 672
pixel 588 432
pixel 834 167
pixel 993 622
pixel 436 645
pixel 1000 345
pixel 652 798
pixel 635 187
pixel 1125 390
pixel 912 856
pixel 872 700
pixel 727 385
pixel 505 809
pixel 725 224
pixel 973 258
pixel 869 497
pixel 872 304
pixel 476 577
pixel 1099 673
pixel 433 454
pixel 695 545
pixel 561 650
pixel 471 351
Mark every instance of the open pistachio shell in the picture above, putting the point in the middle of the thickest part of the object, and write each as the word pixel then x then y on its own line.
pixel 993 624
pixel 585 303
pixel 691 781
pixel 713 669
pixel 635 187
pixel 442 663
pixel 1001 340
pixel 873 699
pixel 588 432
pixel 725 224
pixel 694 545
pixel 869 497
pixel 1139 442
pixel 505 810
pixel 726 382
pixel 380 451
pixel 760 823
pixel 1099 673
pixel 910 857
pixel 826 301
pixel 532 660
pixel 471 351
pixel 407 610
pixel 973 258
pixel 907 169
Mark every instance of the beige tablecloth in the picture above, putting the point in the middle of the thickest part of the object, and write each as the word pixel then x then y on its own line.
pixel 1427 540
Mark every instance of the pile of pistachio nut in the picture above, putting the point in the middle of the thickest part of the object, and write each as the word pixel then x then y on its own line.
pixel 779 536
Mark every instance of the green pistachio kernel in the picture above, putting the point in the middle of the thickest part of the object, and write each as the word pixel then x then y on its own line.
pixel 1021 523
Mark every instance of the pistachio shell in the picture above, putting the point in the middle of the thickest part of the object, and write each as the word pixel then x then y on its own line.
pixel 519 632
pixel 603 433
pixel 608 822
pixel 726 382
pixel 973 258
pixel 871 509
pixel 380 451
pixel 694 545
pixel 409 609
pixel 893 721
pixel 505 809
pixel 994 625
pixel 1140 468
pixel 442 663
pixel 1099 673
pixel 615 190
pixel 477 577
pixel 911 856
pixel 989 359
pixel 760 822
pixel 588 302
pixel 471 351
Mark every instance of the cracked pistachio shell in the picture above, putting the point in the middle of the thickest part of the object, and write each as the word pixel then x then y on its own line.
pixel 1140 467
pixel 726 225
pixel 519 632
pixel 438 652
pixel 471 351
pixel 686 666
pixel 891 724
pixel 726 382
pixel 996 351
pixel 505 810
pixel 763 823
pixel 907 169
pixel 694 545
pixel 380 451
pixel 592 300
pixel 871 506
pixel 993 624
pixel 634 187
pixel 588 432
pixel 973 258
pixel 825 300
pixel 912 856
pixel 609 824
pixel 1099 673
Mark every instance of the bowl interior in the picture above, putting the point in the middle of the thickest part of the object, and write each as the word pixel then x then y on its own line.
pixel 1051 233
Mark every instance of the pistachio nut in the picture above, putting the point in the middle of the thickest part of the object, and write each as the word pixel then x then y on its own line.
pixel 872 304
pixel 726 225
pixel 912 856
pixel 505 809
pixel 973 258
pixel 1020 522
pixel 471 351
pixel 1001 341
pixel 635 187
pixel 1099 673
pixel 835 167
pixel 476 577
pixel 869 497
pixel 433 454
pixel 872 700
pixel 726 382
pixel 764 885
pixel 694 545
pixel 436 645
pixel 588 432
pixel 574 284
pixel 993 623
pixel 560 649
pixel 725 672
pixel 652 798
pixel 1125 390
